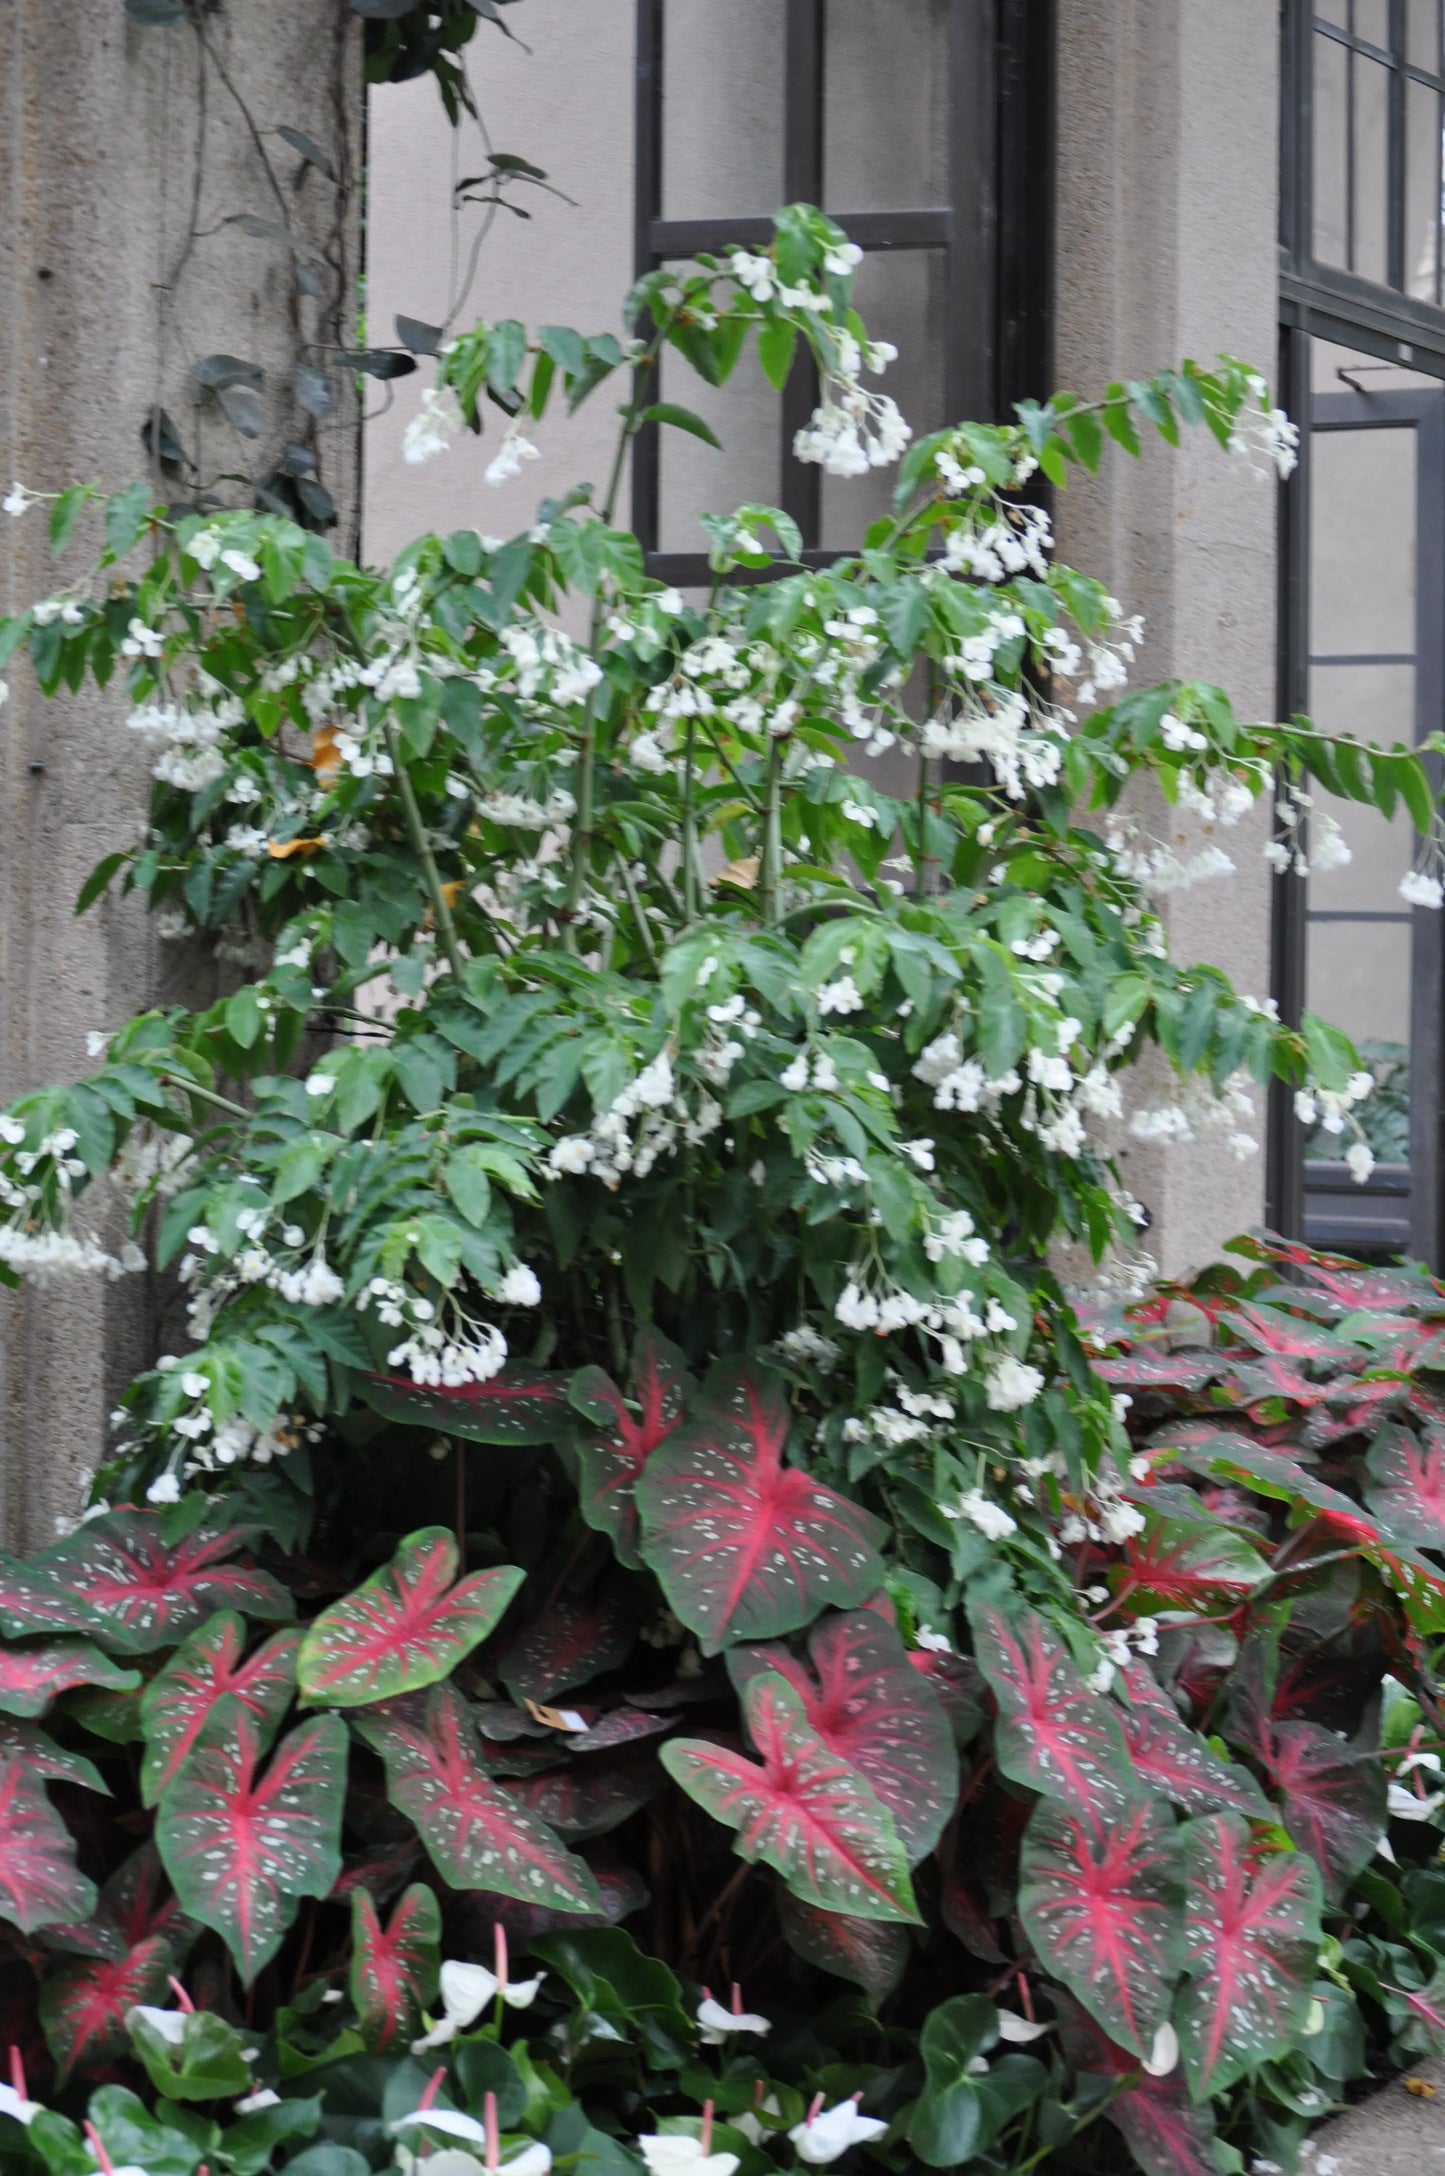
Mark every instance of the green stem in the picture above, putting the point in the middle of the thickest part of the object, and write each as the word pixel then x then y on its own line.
pixel 771 869
pixel 446 927
pixel 689 827
pixel 920 858
pixel 637 914
pixel 206 1095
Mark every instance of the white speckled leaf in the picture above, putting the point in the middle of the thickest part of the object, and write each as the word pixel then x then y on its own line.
pixel 804 1811
pixel 1100 1901
pixel 1251 1937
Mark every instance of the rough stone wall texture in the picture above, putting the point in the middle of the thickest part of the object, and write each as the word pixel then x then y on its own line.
pixel 1167 213
pixel 116 142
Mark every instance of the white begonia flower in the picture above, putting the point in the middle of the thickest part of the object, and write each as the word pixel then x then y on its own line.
pixel 717 2023
pixel 242 565
pixel 1419 890
pixel 18 500
pixel 320 1084
pixel 508 459
pixel 840 996
pixel 992 1521
pixel 826 2133
pixel 794 1077
pixel 932 1643
pixel 1361 1159
pixel 165 1489
pixel 1009 1384
pixel 520 1287
pixel 141 641
pixel 433 427
pixel 674 2153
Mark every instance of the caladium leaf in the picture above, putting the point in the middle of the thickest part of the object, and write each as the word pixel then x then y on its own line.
pixel 1166 2136
pixel 1272 1330
pixel 32 1677
pixel 1144 1369
pixel 1251 1938
pixel 116 1577
pixel 872 1953
pixel 1197 1564
pixel 204 1669
pixel 83 2006
pixel 40 1882
pixel 478 1836
pixel 1407 1482
pixel 43 1757
pixel 521 1405
pixel 573 1638
pixel 394 1968
pixel 1176 1761
pixel 1334 1799
pixel 803 1812
pixel 1100 1901
pixel 1054 1734
pixel 877 1713
pixel 1229 1456
pixel 746 1547
pixel 242 1848
pixel 621 1726
pixel 589 1798
pixel 611 1463
pixel 405 1627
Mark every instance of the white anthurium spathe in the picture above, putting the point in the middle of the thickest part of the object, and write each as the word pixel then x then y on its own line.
pixel 1020 2030
pixel 1163 2054
pixel 253 2103
pixel 675 2153
pixel 14 2103
pixel 468 1989
pixel 827 2133
pixel 170 2025
pixel 451 2122
pixel 717 2023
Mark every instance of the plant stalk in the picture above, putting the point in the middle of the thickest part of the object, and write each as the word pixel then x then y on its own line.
pixel 416 830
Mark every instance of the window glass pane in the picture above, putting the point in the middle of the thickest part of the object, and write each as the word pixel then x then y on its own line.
pixel 1359 978
pixel 1371 157
pixel 1372 21
pixel 1329 151
pixel 1369 702
pixel 722 111
pixel 902 296
pixel 1333 11
pixel 885 105
pixel 1362 543
pixel 1422 33
pixel 693 477
pixel 1422 192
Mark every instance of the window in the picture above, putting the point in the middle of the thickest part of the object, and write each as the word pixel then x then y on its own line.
pixel 923 127
pixel 1363 587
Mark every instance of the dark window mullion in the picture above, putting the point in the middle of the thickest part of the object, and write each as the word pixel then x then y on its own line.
pixel 647 209
pixel 1395 161
pixel 800 492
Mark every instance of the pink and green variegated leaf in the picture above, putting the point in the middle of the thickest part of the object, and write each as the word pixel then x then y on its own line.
pixel 40 1883
pixel 1407 1482
pixel 1166 2136
pixel 32 1677
pixel 1176 1761
pixel 804 1812
pixel 1272 1330
pixel 27 1743
pixel 83 2006
pixel 621 1726
pixel 872 1953
pixel 1145 1369
pixel 1272 1375
pixel 394 1967
pixel 589 1798
pixel 1054 1735
pixel 243 1847
pixel 1100 1901
pixel 1334 1799
pixel 521 1405
pixel 1251 1938
pixel 478 1837
pixel 612 1461
pixel 204 1669
pixel 573 1638
pixel 745 1546
pixel 1229 1456
pixel 877 1713
pixel 1343 1279
pixel 405 1627
pixel 1201 1565
pixel 115 1577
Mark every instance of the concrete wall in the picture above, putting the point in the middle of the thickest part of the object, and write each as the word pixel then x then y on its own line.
pixel 114 143
pixel 1167 196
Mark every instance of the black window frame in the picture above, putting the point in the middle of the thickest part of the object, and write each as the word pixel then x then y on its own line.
pixel 1391 1213
pixel 996 229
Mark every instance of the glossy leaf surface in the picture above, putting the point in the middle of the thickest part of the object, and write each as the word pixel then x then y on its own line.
pixel 1053 1733
pixel 393 1967
pixel 1407 1483
pixel 116 1577
pixel 1100 1901
pixel 204 1669
pixel 1251 1938
pixel 32 1677
pixel 83 2006
pixel 1177 1761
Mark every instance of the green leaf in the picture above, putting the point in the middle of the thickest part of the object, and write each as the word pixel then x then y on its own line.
pixel 682 419
pixel 99 878
pixel 207 2062
pixel 244 1019
pixel 777 343
pixel 64 515
pixel 125 518
pixel 467 1183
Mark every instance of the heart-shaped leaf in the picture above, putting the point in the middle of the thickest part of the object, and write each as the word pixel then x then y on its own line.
pixel 873 1953
pixel 83 2006
pixel 204 2060
pixel 243 1848
pixel 611 1463
pixel 803 1812
pixel 1251 1938
pixel 406 1627
pixel 877 1713
pixel 204 1669
pixel 1166 2136
pixel 394 1968
pixel 588 1798
pixel 477 1836
pixel 746 1547
pixel 40 1883
pixel 116 1577
pixel 1100 1901
pixel 1334 1799
pixel 31 1677
pixel 574 1637
pixel 521 1405
pixel 1053 1733
pixel 1176 1760
pixel 966 2101
pixel 1407 1486
pixel 1188 1564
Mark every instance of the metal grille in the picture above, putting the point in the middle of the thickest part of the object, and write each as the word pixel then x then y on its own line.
pixel 990 235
